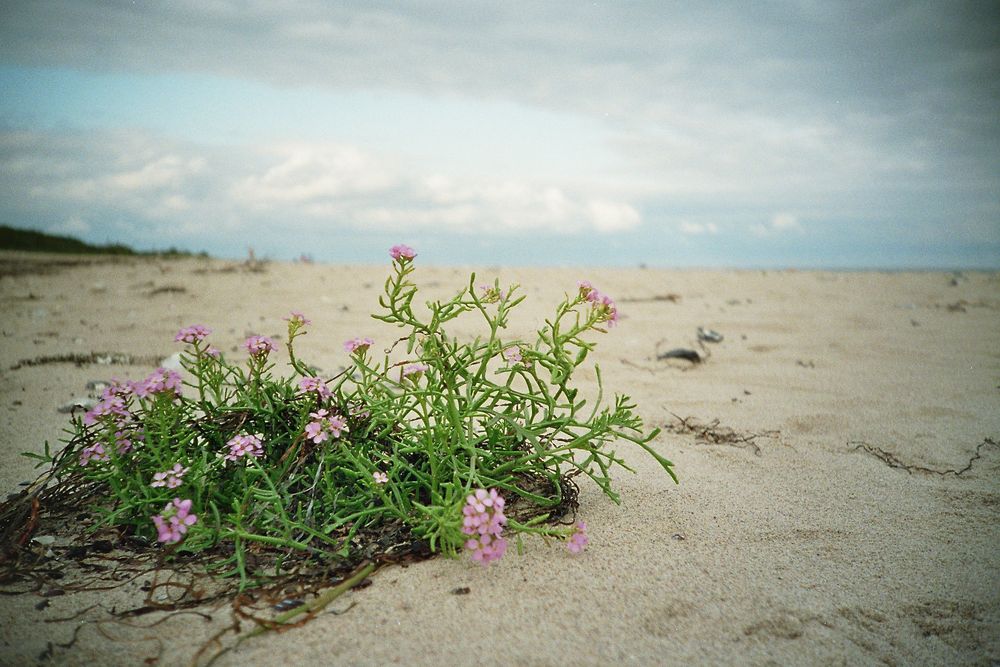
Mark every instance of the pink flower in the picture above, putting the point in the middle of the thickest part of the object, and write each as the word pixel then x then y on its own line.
pixel 402 253
pixel 297 319
pixel 358 345
pixel 483 519
pixel 380 477
pixel 160 381
pixel 245 445
pixel 414 371
pixel 192 334
pixel 172 524
pixel 324 425
pixel 111 405
pixel 93 453
pixel 213 352
pixel 123 444
pixel 315 384
pixel 170 478
pixel 259 346
pixel 578 540
pixel 603 305
pixel 486 548
pixel 512 355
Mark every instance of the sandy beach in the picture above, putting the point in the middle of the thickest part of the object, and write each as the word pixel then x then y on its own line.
pixel 838 454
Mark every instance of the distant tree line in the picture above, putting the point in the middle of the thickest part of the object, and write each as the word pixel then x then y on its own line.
pixel 12 238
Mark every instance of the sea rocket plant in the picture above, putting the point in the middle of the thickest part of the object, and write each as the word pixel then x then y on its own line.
pixel 497 431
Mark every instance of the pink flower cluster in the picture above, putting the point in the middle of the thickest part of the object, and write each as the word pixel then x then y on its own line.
pixel 172 524
pixel 160 381
pixel 170 478
pixel 578 540
pixel 603 305
pixel 113 410
pixel 324 425
pixel 315 384
pixel 259 346
pixel 402 253
pixel 192 334
pixel 245 445
pixel 93 453
pixel 112 404
pixel 358 345
pixel 484 520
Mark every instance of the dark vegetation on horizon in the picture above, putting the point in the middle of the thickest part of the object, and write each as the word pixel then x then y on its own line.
pixel 12 238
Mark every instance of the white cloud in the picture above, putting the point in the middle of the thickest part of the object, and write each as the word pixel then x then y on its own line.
pixel 780 223
pixel 609 216
pixel 697 228
pixel 313 174
pixel 167 189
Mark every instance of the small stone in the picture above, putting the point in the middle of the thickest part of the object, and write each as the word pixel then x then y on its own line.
pixel 709 336
pixel 44 540
pixel 173 362
pixel 79 403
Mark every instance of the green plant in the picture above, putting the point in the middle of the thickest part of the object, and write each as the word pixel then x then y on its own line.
pixel 451 442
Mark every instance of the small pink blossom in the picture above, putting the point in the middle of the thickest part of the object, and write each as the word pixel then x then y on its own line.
pixel 512 355
pixel 112 405
pixel 324 425
pixel 380 477
pixel 315 384
pixel 93 453
pixel 358 345
pixel 123 443
pixel 578 540
pixel 192 334
pixel 483 519
pixel 213 352
pixel 492 294
pixel 259 346
pixel 245 445
pixel 402 253
pixel 603 305
pixel 170 478
pixel 414 371
pixel 173 523
pixel 297 319
pixel 160 381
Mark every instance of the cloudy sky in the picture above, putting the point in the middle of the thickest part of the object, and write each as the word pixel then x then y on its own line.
pixel 809 134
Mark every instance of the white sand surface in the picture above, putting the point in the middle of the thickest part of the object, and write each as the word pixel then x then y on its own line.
pixel 791 540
